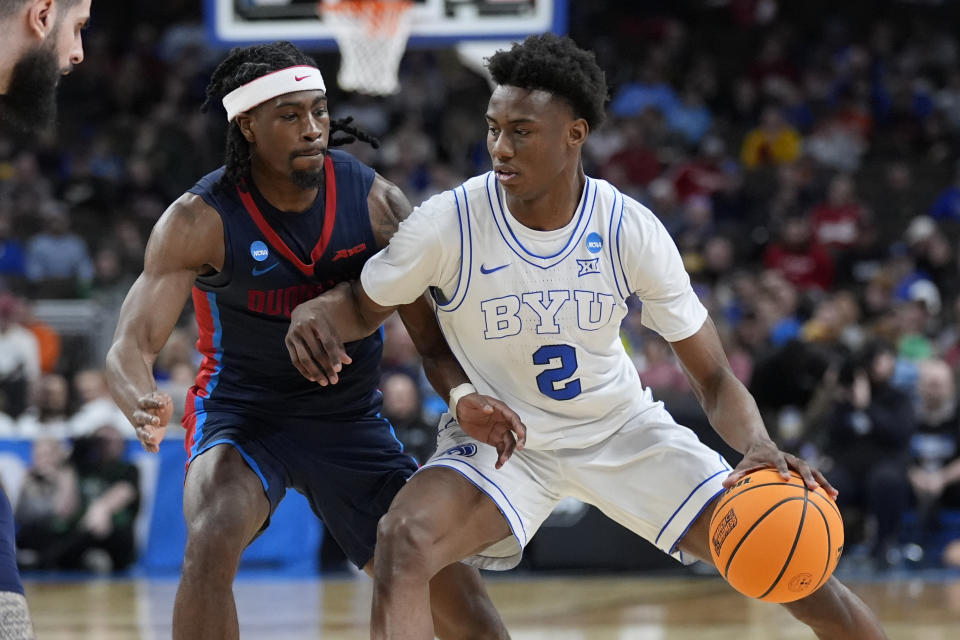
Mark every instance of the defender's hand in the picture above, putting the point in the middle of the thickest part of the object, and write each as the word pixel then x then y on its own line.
pixel 150 419
pixel 764 453
pixel 491 421
pixel 315 347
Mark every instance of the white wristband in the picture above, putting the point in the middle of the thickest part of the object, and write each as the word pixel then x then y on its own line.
pixel 458 392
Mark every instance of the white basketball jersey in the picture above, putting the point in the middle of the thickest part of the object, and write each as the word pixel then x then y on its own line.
pixel 534 316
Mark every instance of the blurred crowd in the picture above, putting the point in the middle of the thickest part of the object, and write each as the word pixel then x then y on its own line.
pixel 804 156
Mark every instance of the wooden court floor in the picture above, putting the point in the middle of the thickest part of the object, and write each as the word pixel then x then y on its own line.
pixel 534 608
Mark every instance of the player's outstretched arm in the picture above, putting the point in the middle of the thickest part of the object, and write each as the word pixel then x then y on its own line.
pixel 320 327
pixel 186 241
pixel 733 412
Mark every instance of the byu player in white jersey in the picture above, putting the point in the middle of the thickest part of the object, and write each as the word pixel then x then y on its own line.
pixel 530 266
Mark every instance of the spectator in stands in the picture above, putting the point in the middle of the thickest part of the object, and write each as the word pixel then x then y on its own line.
pixel 865 437
pixel 659 369
pixel 58 263
pixel 706 173
pixel 935 472
pixel 690 116
pixel 835 323
pixel 19 357
pixel 48 338
pixel 402 407
pixel 778 307
pixel 101 539
pixel 773 67
pixel 97 408
pixel 932 255
pixel 49 503
pixel 947 204
pixel 772 143
pixel 648 90
pixel 834 145
pixel 796 255
pixel 49 416
pixel 399 353
pixel 635 162
pixel 838 222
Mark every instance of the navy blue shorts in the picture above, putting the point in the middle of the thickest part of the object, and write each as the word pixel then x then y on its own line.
pixel 349 471
pixel 9 576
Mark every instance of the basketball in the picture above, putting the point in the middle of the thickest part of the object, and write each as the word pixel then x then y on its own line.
pixel 775 540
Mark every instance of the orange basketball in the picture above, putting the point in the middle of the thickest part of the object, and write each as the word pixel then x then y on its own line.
pixel 775 540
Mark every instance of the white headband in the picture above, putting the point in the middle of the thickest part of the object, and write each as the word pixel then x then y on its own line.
pixel 274 84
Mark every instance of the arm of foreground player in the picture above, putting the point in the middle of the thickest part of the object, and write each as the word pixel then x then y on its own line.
pixel 187 239
pixel 319 327
pixel 733 412
pixel 482 417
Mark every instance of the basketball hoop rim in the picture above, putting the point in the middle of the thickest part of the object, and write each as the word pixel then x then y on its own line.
pixel 357 7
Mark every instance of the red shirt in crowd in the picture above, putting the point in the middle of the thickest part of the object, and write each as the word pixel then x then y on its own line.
pixel 809 267
pixel 837 226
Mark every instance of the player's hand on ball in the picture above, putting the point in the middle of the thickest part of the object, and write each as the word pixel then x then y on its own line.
pixel 315 347
pixel 150 419
pixel 489 420
pixel 764 453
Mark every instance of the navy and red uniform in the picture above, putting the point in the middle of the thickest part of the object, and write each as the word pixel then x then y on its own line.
pixel 329 443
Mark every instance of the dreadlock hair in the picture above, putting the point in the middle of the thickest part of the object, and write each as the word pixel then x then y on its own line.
pixel 557 65
pixel 245 64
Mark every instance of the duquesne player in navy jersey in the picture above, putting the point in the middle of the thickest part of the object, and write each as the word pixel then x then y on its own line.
pixel 284 220
pixel 530 267
pixel 40 40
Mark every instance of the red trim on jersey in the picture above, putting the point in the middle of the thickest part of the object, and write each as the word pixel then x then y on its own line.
pixel 329 217
pixel 205 341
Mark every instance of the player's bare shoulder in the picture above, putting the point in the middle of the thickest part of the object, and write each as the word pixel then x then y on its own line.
pixel 189 235
pixel 388 208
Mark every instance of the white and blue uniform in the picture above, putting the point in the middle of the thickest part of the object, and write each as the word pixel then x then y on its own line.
pixel 534 319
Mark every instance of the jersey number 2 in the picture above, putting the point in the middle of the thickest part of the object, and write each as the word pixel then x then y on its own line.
pixel 547 379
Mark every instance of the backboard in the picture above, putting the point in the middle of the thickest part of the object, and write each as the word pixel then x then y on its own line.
pixel 435 22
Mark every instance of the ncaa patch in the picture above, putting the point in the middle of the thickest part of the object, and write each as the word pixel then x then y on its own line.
pixel 259 251
pixel 594 243
pixel 465 450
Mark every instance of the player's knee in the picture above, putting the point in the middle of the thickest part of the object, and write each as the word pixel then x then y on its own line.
pixel 219 532
pixel 403 542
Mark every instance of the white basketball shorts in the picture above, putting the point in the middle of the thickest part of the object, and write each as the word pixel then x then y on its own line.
pixel 652 476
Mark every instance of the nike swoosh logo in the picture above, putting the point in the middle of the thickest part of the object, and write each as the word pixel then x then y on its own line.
pixel 484 270
pixel 299 78
pixel 257 271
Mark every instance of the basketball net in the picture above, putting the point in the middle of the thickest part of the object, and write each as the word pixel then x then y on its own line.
pixel 372 36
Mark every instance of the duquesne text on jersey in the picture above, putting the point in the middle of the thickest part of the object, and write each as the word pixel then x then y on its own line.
pixel 282 302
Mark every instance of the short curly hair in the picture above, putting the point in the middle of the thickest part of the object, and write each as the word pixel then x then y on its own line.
pixel 555 64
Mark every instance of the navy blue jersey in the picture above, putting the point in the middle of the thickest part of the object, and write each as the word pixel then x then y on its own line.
pixel 274 261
